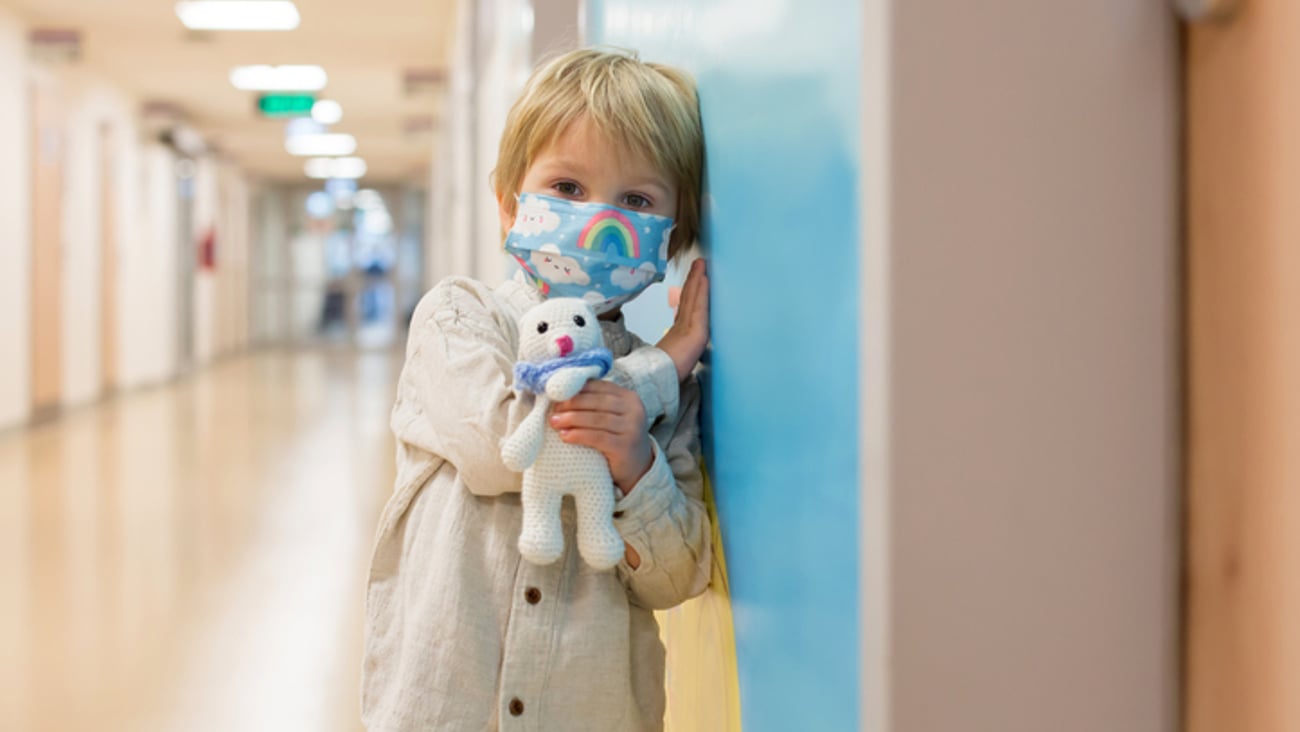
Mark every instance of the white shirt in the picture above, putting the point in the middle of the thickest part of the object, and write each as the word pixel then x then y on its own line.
pixel 461 633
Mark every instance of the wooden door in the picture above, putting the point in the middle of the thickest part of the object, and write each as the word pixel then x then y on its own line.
pixel 1243 146
pixel 48 149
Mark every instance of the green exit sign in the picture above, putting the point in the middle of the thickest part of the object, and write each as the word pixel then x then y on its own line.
pixel 286 105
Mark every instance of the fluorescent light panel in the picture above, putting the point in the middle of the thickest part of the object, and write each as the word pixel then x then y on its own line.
pixel 322 168
pixel 279 78
pixel 321 145
pixel 248 15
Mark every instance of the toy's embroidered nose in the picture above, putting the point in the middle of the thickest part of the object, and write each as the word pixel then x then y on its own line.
pixel 566 345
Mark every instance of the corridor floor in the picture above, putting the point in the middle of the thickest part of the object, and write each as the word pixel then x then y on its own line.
pixel 192 557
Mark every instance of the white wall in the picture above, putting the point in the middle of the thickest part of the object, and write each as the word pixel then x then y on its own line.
pixel 15 225
pixel 143 196
pixel 206 215
pixel 504 65
pixel 91 103
pixel 490 63
pixel 152 270
pixel 1021 366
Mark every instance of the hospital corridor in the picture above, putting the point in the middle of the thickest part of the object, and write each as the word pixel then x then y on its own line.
pixel 189 557
pixel 944 376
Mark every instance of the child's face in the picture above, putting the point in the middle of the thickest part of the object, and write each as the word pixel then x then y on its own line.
pixel 582 164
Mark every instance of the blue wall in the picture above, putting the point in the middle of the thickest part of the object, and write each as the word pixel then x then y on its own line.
pixel 779 91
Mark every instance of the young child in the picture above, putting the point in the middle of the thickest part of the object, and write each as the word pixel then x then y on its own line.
pixel 461 633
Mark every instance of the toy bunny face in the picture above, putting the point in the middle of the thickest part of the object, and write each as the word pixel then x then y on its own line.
pixel 557 328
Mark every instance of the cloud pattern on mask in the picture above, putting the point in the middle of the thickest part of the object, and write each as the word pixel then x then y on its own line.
pixel 535 217
pixel 627 278
pixel 557 268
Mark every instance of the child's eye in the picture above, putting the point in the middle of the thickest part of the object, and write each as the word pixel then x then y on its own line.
pixel 636 200
pixel 568 188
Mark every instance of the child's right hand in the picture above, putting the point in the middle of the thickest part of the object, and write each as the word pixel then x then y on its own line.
pixel 685 341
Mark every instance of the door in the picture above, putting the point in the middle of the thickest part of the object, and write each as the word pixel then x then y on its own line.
pixel 185 171
pixel 48 143
pixel 1243 265
pixel 108 260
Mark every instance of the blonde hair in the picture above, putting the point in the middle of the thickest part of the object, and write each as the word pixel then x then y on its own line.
pixel 648 108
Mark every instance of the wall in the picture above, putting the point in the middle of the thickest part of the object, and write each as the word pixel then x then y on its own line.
pixel 147 267
pixel 92 103
pixel 778 84
pixel 1012 180
pixel 15 231
pixel 1030 341
pixel 493 56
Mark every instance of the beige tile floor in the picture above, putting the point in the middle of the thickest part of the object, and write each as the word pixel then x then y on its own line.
pixel 192 557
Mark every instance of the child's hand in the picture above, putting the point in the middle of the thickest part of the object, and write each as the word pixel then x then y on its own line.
pixel 685 341
pixel 610 419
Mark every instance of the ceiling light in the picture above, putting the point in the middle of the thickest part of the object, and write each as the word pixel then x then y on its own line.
pixel 321 145
pixel 279 78
pixel 327 112
pixel 323 168
pixel 248 15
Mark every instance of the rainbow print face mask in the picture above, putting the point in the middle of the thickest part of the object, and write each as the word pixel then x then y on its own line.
pixel 602 254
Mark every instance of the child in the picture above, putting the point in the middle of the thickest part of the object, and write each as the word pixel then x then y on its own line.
pixel 461 633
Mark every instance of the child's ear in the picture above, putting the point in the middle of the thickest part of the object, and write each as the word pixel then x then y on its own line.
pixel 506 210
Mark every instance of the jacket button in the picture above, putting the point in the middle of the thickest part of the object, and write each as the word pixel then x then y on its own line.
pixel 516 707
pixel 533 595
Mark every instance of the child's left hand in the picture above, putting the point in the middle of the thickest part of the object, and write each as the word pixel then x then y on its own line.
pixel 610 419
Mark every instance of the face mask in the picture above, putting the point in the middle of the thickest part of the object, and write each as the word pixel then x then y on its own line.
pixel 602 254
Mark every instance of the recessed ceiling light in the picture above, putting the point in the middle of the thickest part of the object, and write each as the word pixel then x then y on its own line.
pixel 327 112
pixel 249 15
pixel 279 78
pixel 321 145
pixel 322 168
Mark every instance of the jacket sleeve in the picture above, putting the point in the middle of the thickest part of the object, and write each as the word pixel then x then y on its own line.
pixel 663 518
pixel 454 397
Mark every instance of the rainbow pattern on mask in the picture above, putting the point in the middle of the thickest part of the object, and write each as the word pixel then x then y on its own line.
pixel 611 232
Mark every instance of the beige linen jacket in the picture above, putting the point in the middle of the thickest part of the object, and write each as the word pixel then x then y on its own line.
pixel 461 633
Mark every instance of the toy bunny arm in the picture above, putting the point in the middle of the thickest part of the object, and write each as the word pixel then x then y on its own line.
pixel 566 383
pixel 519 449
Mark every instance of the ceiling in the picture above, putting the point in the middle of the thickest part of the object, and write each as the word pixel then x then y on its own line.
pixel 365 47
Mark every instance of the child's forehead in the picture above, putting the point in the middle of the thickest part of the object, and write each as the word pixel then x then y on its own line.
pixel 585 146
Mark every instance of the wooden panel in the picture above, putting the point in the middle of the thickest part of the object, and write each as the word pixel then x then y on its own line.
pixel 108 259
pixel 1243 639
pixel 48 143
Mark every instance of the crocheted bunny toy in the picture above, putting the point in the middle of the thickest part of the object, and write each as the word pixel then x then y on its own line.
pixel 560 348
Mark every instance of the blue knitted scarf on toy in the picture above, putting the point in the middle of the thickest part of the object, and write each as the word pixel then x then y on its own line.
pixel 533 376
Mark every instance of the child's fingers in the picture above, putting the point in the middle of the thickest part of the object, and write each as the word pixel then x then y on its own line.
pixel 689 288
pixel 695 292
pixel 599 440
pixel 603 421
pixel 602 395
pixel 593 402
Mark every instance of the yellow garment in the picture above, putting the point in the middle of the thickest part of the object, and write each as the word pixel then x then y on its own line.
pixel 702 686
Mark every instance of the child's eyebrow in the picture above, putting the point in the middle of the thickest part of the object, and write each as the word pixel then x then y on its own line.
pixel 651 182
pixel 564 165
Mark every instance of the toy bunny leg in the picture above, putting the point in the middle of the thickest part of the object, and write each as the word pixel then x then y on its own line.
pixel 542 538
pixel 598 541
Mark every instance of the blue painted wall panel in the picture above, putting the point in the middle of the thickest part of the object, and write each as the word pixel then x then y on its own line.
pixel 779 91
